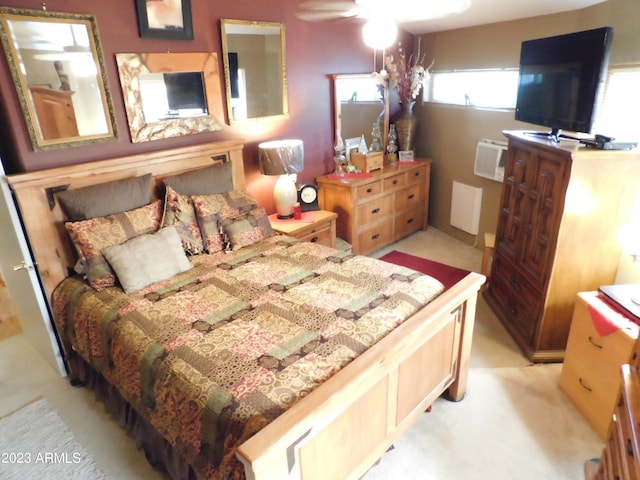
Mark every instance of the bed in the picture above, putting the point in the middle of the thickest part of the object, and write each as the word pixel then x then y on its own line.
pixel 352 392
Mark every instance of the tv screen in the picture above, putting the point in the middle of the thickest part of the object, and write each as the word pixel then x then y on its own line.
pixel 560 79
pixel 185 91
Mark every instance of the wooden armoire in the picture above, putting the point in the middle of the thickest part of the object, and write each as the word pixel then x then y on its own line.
pixel 563 210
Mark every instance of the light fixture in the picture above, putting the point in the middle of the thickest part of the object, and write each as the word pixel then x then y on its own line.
pixel 379 32
pixel 284 158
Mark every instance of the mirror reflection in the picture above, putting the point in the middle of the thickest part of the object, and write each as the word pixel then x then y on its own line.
pixel 255 70
pixel 167 96
pixel 59 76
pixel 170 94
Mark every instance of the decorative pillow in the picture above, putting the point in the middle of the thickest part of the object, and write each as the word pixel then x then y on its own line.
pixel 248 228
pixel 106 198
pixel 212 209
pixel 91 236
pixel 204 181
pixel 147 259
pixel 179 212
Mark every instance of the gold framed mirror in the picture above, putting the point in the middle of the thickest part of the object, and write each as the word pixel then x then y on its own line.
pixel 360 101
pixel 170 94
pixel 255 70
pixel 59 73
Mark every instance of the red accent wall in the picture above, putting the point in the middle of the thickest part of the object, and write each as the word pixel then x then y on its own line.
pixel 314 52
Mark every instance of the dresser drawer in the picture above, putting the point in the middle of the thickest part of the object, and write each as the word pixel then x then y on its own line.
pixel 395 181
pixel 376 237
pixel 594 401
pixel 364 192
pixel 375 210
pixel 408 222
pixel 418 175
pixel 408 198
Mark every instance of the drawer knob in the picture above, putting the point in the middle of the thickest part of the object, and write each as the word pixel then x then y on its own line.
pixel 629 448
pixel 592 342
pixel 369 190
pixel 375 210
pixel 314 239
pixel 584 385
pixel 375 237
pixel 411 197
pixel 416 174
pixel 395 182
pixel 410 220
pixel 515 283
pixel 512 308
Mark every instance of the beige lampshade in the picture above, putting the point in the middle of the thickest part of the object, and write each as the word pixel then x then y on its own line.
pixel 281 157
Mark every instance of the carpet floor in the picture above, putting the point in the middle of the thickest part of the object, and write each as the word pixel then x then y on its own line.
pixel 36 444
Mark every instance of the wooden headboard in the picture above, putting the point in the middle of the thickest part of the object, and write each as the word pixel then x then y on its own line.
pixel 43 218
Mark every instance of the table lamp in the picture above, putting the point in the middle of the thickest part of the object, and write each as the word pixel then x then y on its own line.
pixel 284 158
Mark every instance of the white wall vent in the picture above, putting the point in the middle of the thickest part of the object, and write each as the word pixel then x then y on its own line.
pixel 491 157
pixel 465 207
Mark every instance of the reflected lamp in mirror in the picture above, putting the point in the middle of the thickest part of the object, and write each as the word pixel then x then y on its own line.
pixel 255 70
pixel 286 159
pixel 59 73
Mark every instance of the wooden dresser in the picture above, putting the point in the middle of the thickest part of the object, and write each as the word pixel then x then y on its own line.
pixel 561 211
pixel 620 459
pixel 377 210
pixel 591 370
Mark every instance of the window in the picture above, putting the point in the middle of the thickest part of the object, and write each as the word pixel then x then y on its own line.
pixel 476 88
pixel 619 113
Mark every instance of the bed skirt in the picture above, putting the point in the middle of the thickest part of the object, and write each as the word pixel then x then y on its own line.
pixel 159 452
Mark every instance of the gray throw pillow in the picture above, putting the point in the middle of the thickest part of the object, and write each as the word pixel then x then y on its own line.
pixel 147 259
pixel 106 198
pixel 204 181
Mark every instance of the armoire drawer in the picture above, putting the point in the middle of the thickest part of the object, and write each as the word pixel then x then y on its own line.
pixel 513 307
pixel 394 182
pixel 364 192
pixel 517 286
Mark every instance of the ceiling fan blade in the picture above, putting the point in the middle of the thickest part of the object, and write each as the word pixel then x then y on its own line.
pixel 324 15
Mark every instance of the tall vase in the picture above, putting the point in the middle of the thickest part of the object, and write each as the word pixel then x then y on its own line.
pixel 406 125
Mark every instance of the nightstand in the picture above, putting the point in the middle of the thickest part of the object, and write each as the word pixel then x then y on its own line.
pixel 591 372
pixel 318 226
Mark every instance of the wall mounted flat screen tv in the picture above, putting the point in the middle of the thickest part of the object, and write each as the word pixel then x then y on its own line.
pixel 561 78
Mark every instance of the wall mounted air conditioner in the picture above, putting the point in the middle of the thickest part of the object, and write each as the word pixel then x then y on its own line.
pixel 491 157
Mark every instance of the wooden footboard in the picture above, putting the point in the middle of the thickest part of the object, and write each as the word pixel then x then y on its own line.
pixel 344 426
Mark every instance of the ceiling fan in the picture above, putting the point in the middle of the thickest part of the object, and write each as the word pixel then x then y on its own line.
pixel 397 10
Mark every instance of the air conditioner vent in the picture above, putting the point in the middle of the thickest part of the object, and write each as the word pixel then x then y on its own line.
pixel 491 157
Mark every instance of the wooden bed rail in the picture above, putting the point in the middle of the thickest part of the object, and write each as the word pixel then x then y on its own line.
pixel 345 425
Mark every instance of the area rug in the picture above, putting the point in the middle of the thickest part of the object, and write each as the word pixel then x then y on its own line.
pixel 35 443
pixel 447 274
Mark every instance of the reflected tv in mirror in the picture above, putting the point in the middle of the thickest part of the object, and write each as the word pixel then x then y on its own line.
pixel 561 78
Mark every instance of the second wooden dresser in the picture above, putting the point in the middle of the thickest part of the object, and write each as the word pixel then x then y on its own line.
pixel 591 371
pixel 377 210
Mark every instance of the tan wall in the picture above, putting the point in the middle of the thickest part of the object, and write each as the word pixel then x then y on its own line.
pixel 449 134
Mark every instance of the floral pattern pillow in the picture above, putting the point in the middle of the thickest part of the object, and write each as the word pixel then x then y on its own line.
pixel 247 228
pixel 91 236
pixel 179 213
pixel 211 210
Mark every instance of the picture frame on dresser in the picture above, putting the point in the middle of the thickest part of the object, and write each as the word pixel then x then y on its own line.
pixel 163 19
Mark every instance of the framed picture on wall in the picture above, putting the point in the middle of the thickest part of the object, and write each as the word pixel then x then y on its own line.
pixel 165 19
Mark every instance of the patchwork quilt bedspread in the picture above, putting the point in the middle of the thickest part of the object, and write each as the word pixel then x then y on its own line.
pixel 214 354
